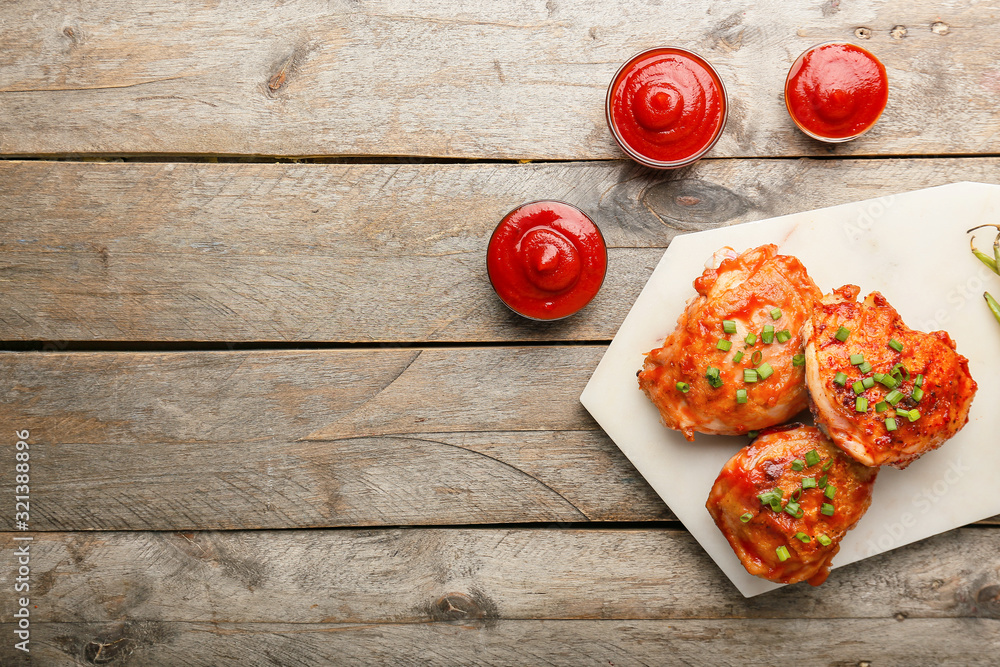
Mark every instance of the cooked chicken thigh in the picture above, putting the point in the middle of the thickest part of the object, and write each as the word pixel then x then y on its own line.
pixel 734 362
pixel 884 393
pixel 786 500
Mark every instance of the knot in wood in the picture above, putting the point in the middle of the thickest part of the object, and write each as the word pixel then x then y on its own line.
pixel 898 32
pixel 457 607
pixel 863 33
pixel 940 28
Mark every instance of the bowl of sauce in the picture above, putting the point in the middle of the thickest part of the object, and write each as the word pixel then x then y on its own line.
pixel 836 91
pixel 666 107
pixel 546 260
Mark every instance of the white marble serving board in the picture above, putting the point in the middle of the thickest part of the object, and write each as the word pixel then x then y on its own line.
pixel 913 248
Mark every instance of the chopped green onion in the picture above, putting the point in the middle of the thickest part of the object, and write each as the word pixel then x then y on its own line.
pixel 894 397
pixel 900 369
pixel 865 368
pixel 723 345
pixel 767 335
pixel 887 381
pixel 765 371
pixel 861 404
pixel 868 383
pixel 822 480
pixel 797 494
pixel 784 336
pixel 798 464
pixel 738 357
pixel 746 517
pixel 919 382
pixel 751 338
pixel 824 540
pixel 812 457
pixel 827 465
pixel 741 395
pixel 808 482
pixel 842 334
pixel 802 537
pixel 858 387
pixel 782 553
pixel 881 406
pixel 878 376
pixel 683 387
pixel 713 376
pixel 775 313
pixel 752 434
pixel 840 379
pixel 749 375
pixel 857 359
pixel 756 357
pixel 830 491
pixel 799 360
pixel 917 394
pixel 914 415
pixel 729 326
pixel 895 344
pixel 826 509
pixel 902 412
pixel 792 508
pixel 890 424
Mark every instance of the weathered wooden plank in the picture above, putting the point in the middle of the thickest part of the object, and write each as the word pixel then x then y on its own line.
pixel 737 643
pixel 419 575
pixel 318 438
pixel 360 253
pixel 490 80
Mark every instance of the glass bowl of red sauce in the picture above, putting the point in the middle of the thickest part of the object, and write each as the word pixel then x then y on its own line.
pixel 836 91
pixel 666 107
pixel 546 260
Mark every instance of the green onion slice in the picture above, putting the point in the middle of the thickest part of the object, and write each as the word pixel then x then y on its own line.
pixel 822 480
pixel 830 491
pixel 741 396
pixel 895 344
pixel 842 334
pixel 861 404
pixel 794 509
pixel 746 517
pixel 683 387
pixel 858 387
pixel 775 313
pixel 890 424
pixel 840 379
pixel 756 357
pixel 799 360
pixel 857 359
pixel 826 509
pixel 729 326
pixel 868 383
pixel 865 368
pixel 914 415
pixel 887 381
pixel 765 371
pixel 828 464
pixel 824 540
pixel 738 357
pixel 812 457
pixel 750 339
pixel 894 397
pixel 881 406
pixel 782 553
pixel 749 375
pixel 798 464
pixel 723 345
pixel 808 482
pixel 900 369
pixel 784 336
pixel 767 336
pixel 919 382
pixel 917 394
pixel 802 537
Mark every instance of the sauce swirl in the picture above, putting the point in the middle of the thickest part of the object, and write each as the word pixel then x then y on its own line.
pixel 666 107
pixel 836 92
pixel 546 260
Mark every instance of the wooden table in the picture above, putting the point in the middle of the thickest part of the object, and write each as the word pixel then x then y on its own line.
pixel 277 415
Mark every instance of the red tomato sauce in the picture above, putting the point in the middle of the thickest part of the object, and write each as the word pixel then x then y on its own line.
pixel 836 91
pixel 666 107
pixel 546 260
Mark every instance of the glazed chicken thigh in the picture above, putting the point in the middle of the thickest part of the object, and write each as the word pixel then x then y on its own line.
pixel 734 364
pixel 884 393
pixel 786 500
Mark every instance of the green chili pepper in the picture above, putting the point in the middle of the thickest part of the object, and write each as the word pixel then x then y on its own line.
pixel 992 262
pixel 994 306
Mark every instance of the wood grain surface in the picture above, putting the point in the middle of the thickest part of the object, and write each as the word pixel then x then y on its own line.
pixel 498 80
pixel 446 595
pixel 361 253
